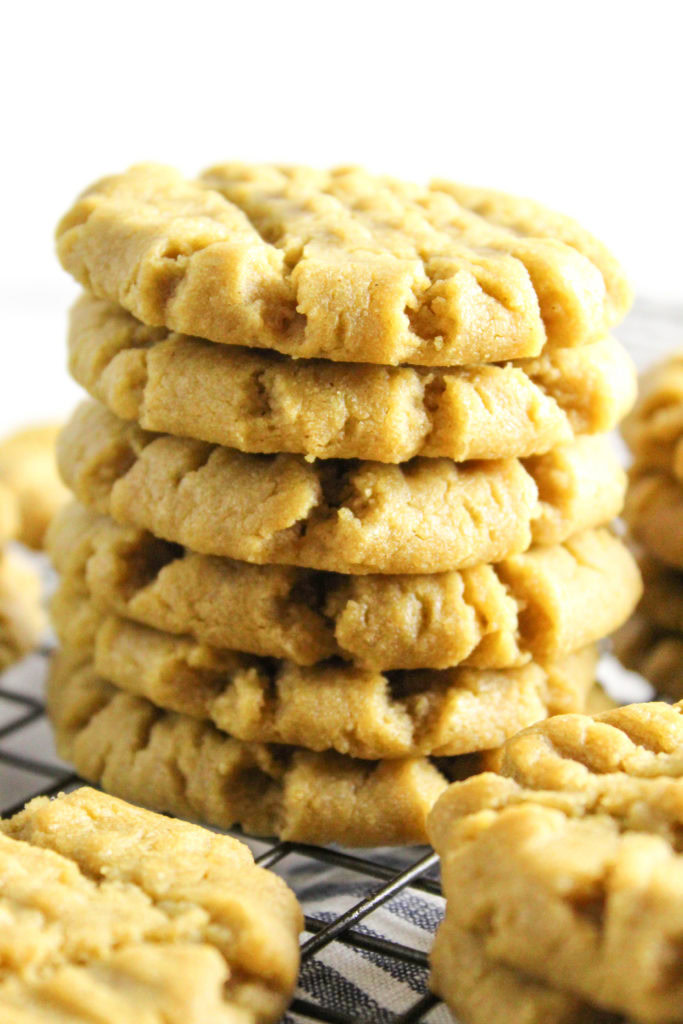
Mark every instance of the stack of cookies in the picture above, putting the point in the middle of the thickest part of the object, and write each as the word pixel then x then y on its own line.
pixel 342 491
pixel 652 641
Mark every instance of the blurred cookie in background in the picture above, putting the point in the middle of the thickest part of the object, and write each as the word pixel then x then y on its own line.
pixel 28 469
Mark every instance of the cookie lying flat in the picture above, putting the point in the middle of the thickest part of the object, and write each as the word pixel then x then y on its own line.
pixel 22 619
pixel 28 467
pixel 115 914
pixel 263 402
pixel 543 603
pixel 184 766
pixel 568 866
pixel 341 264
pixel 654 652
pixel 427 515
pixel 654 512
pixel 654 429
pixel 331 705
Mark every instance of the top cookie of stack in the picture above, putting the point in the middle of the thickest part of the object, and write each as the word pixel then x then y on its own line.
pixel 352 425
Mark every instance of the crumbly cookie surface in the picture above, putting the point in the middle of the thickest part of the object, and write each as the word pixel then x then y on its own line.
pixel 568 865
pixel 331 705
pixel 263 402
pixel 341 264
pixel 543 603
pixel 113 913
pixel 185 766
pixel 428 515
pixel 22 619
pixel 28 468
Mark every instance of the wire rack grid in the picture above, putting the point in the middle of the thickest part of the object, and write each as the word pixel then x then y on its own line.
pixel 336 942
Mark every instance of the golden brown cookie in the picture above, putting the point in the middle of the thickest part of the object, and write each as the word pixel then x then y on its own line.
pixel 427 515
pixel 22 619
pixel 654 652
pixel 264 402
pixel 341 264
pixel 543 603
pixel 654 429
pixel 28 467
pixel 328 706
pixel 654 512
pixel 114 914
pixel 568 866
pixel 185 766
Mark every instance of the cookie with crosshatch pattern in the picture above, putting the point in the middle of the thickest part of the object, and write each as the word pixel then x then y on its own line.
pixel 186 766
pixel 117 914
pixel 565 871
pixel 265 402
pixel 427 515
pixel 342 264
pixel 541 604
pixel 328 706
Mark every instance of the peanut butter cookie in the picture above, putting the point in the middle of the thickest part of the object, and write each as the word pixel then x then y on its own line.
pixel 654 512
pixel 115 914
pixel 28 468
pixel 264 402
pixel 541 604
pixel 341 264
pixel 22 619
pixel 427 515
pixel 567 869
pixel 328 706
pixel 185 766
pixel 654 429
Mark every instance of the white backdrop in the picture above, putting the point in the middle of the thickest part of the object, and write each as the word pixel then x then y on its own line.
pixel 577 104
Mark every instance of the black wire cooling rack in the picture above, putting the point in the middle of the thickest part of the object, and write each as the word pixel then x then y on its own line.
pixel 29 767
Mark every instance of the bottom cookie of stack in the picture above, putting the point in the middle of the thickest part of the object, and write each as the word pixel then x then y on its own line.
pixel 152 718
